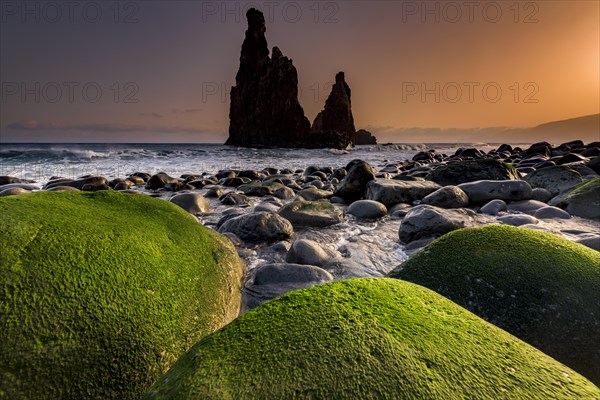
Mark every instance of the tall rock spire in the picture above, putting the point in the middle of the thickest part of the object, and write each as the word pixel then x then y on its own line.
pixel 264 107
pixel 337 114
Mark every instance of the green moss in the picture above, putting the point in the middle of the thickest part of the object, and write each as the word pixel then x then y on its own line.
pixel 101 292
pixel 311 213
pixel 537 286
pixel 366 338
pixel 586 188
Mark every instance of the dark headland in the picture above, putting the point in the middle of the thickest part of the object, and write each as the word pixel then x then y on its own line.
pixel 264 107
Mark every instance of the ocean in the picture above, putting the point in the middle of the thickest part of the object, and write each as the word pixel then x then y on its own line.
pixel 39 162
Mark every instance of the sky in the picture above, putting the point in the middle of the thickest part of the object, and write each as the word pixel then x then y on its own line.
pixel 160 71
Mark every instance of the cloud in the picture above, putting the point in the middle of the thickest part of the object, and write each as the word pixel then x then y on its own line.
pixel 152 114
pixel 186 111
pixel 100 127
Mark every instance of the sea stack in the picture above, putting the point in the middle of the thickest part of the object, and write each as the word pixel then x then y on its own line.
pixel 264 101
pixel 337 115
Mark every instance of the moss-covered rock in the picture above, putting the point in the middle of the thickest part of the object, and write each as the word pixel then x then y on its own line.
pixel 101 292
pixel 584 200
pixel 311 213
pixel 457 172
pixel 366 338
pixel 537 286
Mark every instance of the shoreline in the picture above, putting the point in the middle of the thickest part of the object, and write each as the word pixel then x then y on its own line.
pixel 355 245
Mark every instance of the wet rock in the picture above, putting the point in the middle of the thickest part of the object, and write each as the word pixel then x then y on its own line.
pixel 234 181
pixel 280 247
pixel 526 206
pixel 541 148
pixel 458 172
pixel 59 188
pixel 234 199
pixel 23 186
pixel 343 268
pixel 409 178
pixel 550 212
pixel 424 220
pixel 214 192
pixel 311 213
pixel 250 174
pixel 284 193
pixel 354 184
pixel 5 180
pixel 136 180
pixel 125 185
pixel 260 189
pixel 571 158
pixel 227 215
pixel 594 164
pixel 158 181
pixel 507 190
pixel 367 209
pixel 290 273
pixel 313 194
pixel 584 200
pixel 399 210
pixel 268 281
pixel 304 251
pixel 194 203
pixel 391 191
pixel 505 148
pixel 264 101
pixel 518 219
pixel 556 179
pixel 145 177
pixel 258 227
pixel 268 207
pixel 447 197
pixel 593 242
pixel 13 191
pixel 493 207
pixel 541 194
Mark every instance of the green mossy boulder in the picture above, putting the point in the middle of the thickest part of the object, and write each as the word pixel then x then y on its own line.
pixel 584 200
pixel 366 338
pixel 311 213
pixel 100 293
pixel 457 172
pixel 541 288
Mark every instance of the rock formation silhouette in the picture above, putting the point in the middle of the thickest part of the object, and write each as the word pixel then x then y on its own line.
pixel 264 108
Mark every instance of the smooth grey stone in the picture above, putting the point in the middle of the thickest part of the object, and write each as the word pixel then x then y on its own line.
pixel 289 273
pixel 367 209
pixel 484 191
pixel 556 179
pixel 493 207
pixel 593 242
pixel 311 213
pixel 13 191
pixel 258 227
pixel 23 186
pixel 517 219
pixel 424 220
pixel 193 203
pixel 541 194
pixel 268 207
pixel 550 212
pixel 447 197
pixel 526 206
pixel 391 191
pixel 309 252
